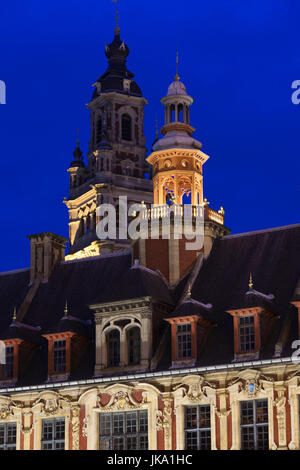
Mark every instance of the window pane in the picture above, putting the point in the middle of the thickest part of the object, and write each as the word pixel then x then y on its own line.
pixel 118 422
pixel 197 427
pixel 247 336
pixel 191 442
pixel 191 418
pixel 204 416
pixel 53 434
pixel 2 434
pixel 261 411
pixel 143 419
pixel 254 427
pixel 184 341
pixel 131 422
pixel 131 443
pixel 126 127
pixel 134 345
pixel 248 438
pixel 118 443
pixel 8 436
pixel 205 440
pixel 59 356
pixel 60 429
pixel 144 441
pixel 104 444
pixel 124 431
pixel 247 415
pixel 113 340
pixel 262 438
pixel 8 367
pixel 105 424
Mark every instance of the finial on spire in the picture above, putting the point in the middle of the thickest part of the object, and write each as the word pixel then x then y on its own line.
pixel 189 292
pixel 177 76
pixel 251 282
pixel 14 319
pixel 66 311
pixel 117 28
pixel 77 137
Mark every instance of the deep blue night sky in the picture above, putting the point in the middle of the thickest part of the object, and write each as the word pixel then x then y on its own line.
pixel 237 59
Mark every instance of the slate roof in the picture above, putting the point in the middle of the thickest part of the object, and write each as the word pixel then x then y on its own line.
pixel 272 256
pixel 14 286
pixel 192 307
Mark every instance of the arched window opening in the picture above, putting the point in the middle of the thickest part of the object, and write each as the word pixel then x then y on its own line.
pixel 172 113
pixel 99 130
pixel 187 114
pixel 187 198
pixel 126 127
pixel 113 348
pixel 88 224
pixel 134 345
pixel 81 228
pixel 180 113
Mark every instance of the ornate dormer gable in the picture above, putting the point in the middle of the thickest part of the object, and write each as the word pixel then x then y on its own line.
pixel 123 335
pixel 252 323
pixel 66 345
pixel 190 323
pixel 17 345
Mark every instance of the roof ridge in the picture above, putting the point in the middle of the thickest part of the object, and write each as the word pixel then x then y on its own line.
pixel 4 273
pixel 255 232
pixel 89 258
pixel 261 294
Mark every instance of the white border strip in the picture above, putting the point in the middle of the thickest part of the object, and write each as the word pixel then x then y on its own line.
pixel 149 375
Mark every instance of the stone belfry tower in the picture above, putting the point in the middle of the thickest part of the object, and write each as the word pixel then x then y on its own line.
pixel 116 163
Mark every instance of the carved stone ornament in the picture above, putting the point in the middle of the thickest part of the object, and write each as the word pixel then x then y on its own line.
pixel 223 413
pixel 194 388
pixel 280 403
pixel 75 427
pixel 85 426
pixel 52 403
pixel 167 422
pixel 159 420
pixel 122 400
pixel 250 382
pixel 27 429
pixel 6 410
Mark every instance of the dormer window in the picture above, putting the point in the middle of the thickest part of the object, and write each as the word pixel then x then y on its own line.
pixel 184 341
pixel 190 325
pixel 59 356
pixel 126 127
pixel 247 334
pixel 134 345
pixel 126 85
pixel 7 369
pixel 113 348
pixel 252 323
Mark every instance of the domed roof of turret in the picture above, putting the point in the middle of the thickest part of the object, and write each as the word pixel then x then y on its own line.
pixel 113 78
pixel 78 161
pixel 117 48
pixel 177 88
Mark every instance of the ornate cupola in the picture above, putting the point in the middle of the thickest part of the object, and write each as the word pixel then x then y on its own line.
pixel 77 168
pixel 177 161
pixel 177 158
